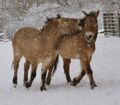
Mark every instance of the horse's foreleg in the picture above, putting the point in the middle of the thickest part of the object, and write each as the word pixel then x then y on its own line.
pixel 48 80
pixel 77 79
pixel 26 68
pixel 47 65
pixel 66 67
pixel 89 72
pixel 33 75
pixel 90 76
pixel 43 78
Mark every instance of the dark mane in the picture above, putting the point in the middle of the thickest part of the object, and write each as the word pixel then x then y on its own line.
pixel 92 13
pixel 48 23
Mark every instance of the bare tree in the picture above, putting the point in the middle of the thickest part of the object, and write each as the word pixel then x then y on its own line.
pixel 63 3
pixel 3 4
pixel 37 2
pixel 80 4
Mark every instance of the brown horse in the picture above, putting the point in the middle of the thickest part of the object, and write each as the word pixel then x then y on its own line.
pixel 80 45
pixel 88 21
pixel 36 45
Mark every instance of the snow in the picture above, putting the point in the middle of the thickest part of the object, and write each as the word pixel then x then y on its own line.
pixel 2 34
pixel 106 69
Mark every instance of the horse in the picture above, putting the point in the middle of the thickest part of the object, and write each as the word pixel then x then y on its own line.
pixel 79 45
pixel 35 45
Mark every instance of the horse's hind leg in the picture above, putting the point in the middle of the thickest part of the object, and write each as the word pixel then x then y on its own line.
pixel 26 69
pixel 66 67
pixel 33 75
pixel 16 65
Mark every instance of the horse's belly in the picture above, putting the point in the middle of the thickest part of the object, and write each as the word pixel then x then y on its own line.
pixel 70 55
pixel 32 54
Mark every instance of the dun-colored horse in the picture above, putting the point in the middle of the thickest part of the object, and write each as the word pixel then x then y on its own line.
pixel 36 45
pixel 80 45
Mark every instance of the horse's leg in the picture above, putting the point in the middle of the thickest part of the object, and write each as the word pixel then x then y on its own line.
pixel 48 80
pixel 43 78
pixel 91 79
pixel 47 65
pixel 26 68
pixel 16 65
pixel 66 67
pixel 52 68
pixel 33 74
pixel 86 65
pixel 77 79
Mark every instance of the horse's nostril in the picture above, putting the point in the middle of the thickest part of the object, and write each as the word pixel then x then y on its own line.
pixel 89 36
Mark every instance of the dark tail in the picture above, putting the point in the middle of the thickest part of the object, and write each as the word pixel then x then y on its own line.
pixel 56 64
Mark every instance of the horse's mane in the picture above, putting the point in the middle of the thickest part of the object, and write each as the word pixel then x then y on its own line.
pixel 92 13
pixel 46 24
pixel 50 21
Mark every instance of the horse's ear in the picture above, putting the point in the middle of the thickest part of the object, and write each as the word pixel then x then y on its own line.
pixel 58 16
pixel 48 19
pixel 84 13
pixel 97 13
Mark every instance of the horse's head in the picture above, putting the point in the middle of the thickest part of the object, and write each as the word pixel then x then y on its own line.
pixel 90 25
pixel 69 25
pixel 63 25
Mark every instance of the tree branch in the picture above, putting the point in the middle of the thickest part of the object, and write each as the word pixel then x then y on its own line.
pixel 62 3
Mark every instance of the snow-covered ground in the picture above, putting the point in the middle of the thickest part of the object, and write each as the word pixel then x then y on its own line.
pixel 105 65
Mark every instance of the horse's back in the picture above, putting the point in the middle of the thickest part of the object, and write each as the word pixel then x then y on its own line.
pixel 26 32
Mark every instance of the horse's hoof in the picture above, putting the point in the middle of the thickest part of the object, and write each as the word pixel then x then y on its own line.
pixel 14 85
pixel 15 80
pixel 43 88
pixel 27 85
pixel 48 82
pixel 93 85
pixel 74 82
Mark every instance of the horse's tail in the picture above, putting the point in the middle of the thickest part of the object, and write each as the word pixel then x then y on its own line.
pixel 55 66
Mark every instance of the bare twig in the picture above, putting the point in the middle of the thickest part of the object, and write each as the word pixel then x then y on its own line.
pixel 66 2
